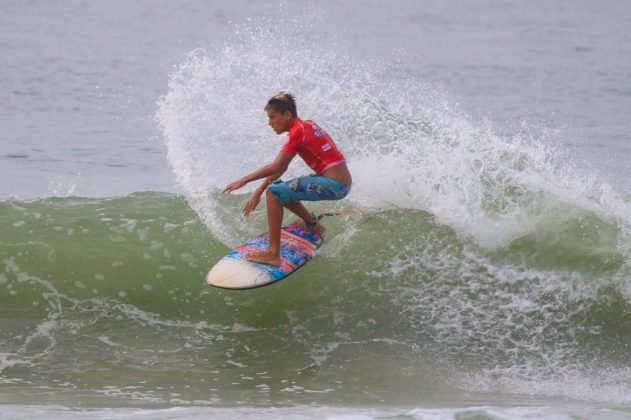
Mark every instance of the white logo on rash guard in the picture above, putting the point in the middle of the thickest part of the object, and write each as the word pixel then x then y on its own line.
pixel 326 147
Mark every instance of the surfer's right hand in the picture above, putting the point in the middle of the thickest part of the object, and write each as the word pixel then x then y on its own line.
pixel 251 204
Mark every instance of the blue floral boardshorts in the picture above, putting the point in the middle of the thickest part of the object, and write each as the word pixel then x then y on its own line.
pixel 308 188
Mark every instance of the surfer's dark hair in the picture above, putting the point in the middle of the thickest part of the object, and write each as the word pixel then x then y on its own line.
pixel 281 103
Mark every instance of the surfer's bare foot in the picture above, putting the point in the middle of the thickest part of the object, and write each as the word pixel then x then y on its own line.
pixel 265 257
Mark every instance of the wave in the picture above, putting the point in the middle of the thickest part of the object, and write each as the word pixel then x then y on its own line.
pixel 494 249
pixel 547 314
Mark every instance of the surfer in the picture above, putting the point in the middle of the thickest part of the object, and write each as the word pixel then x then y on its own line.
pixel 332 179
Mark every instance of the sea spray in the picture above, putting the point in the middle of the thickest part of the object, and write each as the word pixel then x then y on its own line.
pixel 406 145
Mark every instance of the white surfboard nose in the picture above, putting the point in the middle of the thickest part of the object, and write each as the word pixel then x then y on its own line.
pixel 236 274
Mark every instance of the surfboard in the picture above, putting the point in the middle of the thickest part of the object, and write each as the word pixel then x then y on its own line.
pixel 235 272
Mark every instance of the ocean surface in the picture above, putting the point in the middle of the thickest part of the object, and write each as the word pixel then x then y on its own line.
pixel 484 271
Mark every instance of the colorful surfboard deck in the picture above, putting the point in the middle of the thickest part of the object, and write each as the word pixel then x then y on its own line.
pixel 235 272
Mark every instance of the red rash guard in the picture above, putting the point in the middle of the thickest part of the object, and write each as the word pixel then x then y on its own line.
pixel 313 145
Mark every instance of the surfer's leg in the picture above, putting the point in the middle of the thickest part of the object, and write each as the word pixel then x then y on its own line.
pixel 306 218
pixel 289 195
pixel 309 188
pixel 274 222
pixel 299 210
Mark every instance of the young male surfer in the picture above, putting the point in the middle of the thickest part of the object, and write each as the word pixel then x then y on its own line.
pixel 332 179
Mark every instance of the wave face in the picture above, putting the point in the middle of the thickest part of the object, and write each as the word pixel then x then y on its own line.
pixel 479 264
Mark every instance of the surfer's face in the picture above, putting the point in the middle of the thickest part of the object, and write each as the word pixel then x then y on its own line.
pixel 280 122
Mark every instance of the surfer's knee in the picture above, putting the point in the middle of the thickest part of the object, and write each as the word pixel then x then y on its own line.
pixel 280 192
pixel 271 197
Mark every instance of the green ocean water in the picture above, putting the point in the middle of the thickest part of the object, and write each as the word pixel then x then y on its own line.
pixel 104 305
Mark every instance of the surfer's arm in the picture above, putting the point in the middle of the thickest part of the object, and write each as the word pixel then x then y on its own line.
pixel 271 172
